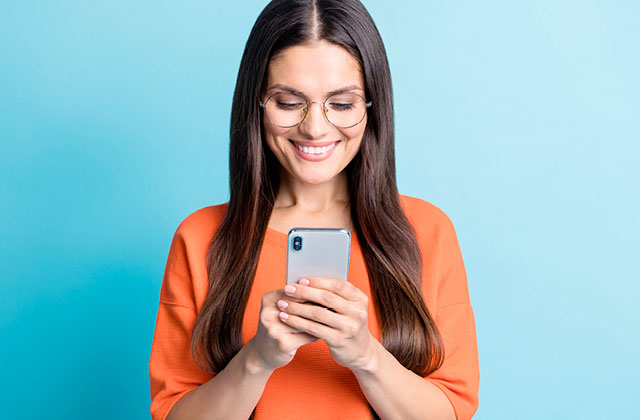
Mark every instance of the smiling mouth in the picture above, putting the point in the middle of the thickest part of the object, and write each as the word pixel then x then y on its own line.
pixel 315 150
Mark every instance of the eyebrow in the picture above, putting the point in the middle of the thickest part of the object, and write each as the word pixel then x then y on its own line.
pixel 297 92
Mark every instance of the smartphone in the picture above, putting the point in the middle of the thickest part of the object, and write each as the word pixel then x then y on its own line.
pixel 318 252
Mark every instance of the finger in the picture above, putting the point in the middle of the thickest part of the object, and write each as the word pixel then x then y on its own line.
pixel 313 328
pixel 270 298
pixel 314 313
pixel 297 339
pixel 281 329
pixel 291 331
pixel 340 287
pixel 322 297
pixel 282 295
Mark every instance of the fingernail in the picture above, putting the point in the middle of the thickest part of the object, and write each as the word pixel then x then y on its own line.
pixel 282 304
pixel 284 315
pixel 290 289
pixel 304 282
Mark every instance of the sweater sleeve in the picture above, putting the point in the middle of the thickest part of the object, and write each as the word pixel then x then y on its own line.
pixel 172 370
pixel 459 375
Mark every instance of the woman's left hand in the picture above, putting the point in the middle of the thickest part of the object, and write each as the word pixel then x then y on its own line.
pixel 344 328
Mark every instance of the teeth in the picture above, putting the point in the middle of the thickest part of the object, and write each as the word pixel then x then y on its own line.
pixel 315 150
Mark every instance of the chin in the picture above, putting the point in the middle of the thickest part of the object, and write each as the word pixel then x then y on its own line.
pixel 314 179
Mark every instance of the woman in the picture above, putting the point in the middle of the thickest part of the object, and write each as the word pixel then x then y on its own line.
pixel 312 146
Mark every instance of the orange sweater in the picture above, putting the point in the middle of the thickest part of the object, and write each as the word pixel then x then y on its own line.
pixel 329 391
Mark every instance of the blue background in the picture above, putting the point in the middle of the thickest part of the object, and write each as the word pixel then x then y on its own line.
pixel 518 118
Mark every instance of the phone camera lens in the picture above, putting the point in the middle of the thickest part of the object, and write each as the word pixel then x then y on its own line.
pixel 297 243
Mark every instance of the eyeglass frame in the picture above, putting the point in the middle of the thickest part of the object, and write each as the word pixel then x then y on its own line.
pixel 263 105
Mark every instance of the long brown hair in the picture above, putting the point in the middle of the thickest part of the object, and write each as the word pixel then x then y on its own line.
pixel 388 241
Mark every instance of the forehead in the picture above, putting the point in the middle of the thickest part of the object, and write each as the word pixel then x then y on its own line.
pixel 315 68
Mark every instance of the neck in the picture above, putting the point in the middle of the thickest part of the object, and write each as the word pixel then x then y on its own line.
pixel 312 198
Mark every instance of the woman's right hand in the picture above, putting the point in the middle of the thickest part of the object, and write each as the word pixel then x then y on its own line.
pixel 275 343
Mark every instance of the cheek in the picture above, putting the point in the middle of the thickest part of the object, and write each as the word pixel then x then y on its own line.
pixel 274 136
pixel 354 136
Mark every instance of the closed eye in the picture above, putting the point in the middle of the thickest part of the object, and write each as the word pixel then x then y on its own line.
pixel 290 106
pixel 336 106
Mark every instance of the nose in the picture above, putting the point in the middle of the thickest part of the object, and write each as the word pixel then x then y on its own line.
pixel 315 124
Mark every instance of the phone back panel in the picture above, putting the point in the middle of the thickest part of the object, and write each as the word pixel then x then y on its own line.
pixel 322 253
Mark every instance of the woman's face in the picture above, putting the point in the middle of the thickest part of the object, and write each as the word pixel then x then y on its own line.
pixel 315 70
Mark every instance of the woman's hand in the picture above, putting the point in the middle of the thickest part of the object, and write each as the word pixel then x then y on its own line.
pixel 275 343
pixel 344 326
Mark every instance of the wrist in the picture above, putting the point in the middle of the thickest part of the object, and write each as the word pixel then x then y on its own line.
pixel 252 362
pixel 370 363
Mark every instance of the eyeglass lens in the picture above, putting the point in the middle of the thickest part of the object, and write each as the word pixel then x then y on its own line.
pixel 342 110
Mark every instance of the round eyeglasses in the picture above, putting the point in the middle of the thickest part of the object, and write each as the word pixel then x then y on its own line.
pixel 344 110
